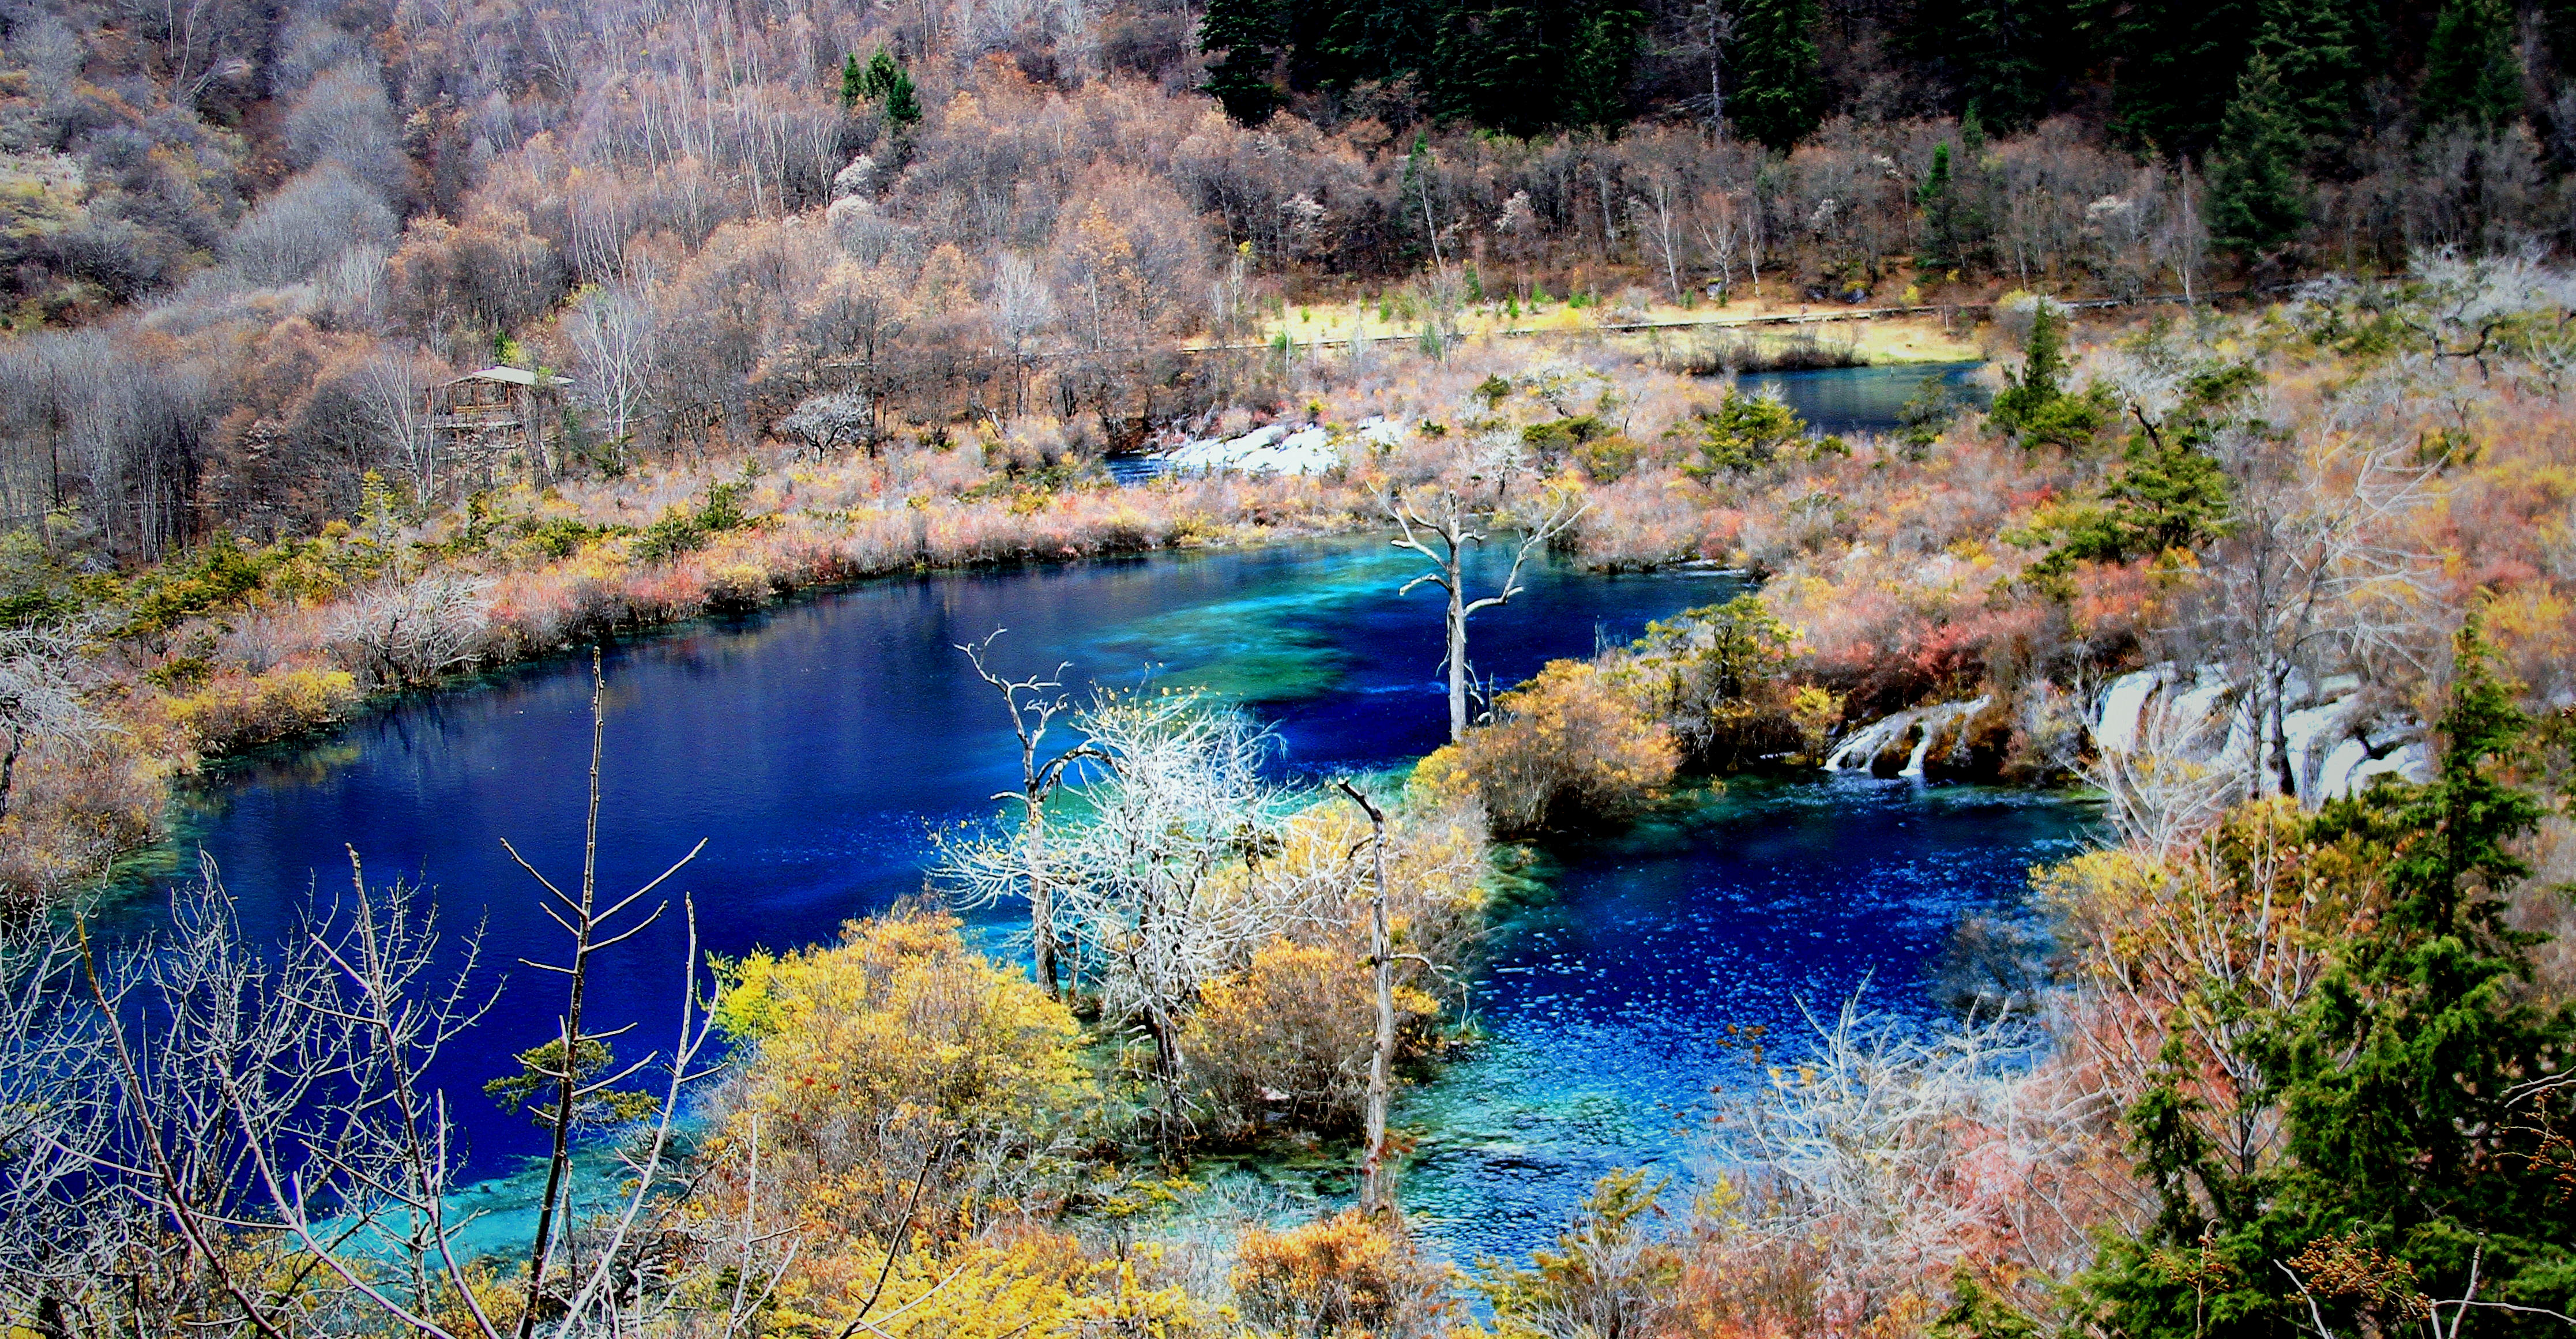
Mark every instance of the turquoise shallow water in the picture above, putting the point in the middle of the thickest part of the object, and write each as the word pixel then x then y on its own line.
pixel 1609 1008
pixel 816 747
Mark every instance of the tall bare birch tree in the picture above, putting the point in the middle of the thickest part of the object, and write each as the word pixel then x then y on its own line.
pixel 1443 524
pixel 2314 573
pixel 1373 1179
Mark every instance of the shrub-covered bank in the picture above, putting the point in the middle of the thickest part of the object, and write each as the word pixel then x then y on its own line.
pixel 2277 516
pixel 234 644
pixel 2299 1057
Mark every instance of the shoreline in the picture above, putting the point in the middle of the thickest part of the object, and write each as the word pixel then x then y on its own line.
pixel 130 871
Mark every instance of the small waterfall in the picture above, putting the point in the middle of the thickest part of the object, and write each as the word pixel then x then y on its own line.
pixel 1861 748
pixel 2302 733
pixel 2201 702
pixel 2115 728
pixel 1937 722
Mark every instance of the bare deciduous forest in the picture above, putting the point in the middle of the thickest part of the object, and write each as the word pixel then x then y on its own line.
pixel 356 346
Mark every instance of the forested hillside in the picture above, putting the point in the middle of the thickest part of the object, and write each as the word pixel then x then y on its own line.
pixel 357 345
pixel 243 240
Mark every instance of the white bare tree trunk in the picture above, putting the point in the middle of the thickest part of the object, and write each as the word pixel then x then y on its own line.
pixel 1441 529
pixel 1375 1185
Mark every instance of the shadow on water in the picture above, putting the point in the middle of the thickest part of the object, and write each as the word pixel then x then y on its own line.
pixel 1848 401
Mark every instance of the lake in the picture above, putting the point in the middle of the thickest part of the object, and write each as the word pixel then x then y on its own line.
pixel 818 746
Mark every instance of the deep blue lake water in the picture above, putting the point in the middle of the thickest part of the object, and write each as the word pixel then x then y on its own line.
pixel 817 745
pixel 1609 1006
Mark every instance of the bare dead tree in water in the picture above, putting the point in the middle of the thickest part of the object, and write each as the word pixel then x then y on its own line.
pixel 1442 527
pixel 1033 703
pixel 574 1064
pixel 1374 1194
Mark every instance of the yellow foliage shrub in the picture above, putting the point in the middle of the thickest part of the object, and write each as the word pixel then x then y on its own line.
pixel 1347 1275
pixel 872 1053
pixel 1286 1037
pixel 236 711
pixel 1027 1283
pixel 1568 746
pixel 1289 1037
pixel 2256 908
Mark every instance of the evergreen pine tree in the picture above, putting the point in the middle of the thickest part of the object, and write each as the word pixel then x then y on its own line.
pixel 2043 370
pixel 853 83
pixel 2178 59
pixel 1360 41
pixel 1526 67
pixel 2471 72
pixel 1250 34
pixel 1609 37
pixel 1778 95
pixel 2171 496
pixel 2315 51
pixel 2414 1077
pixel 2401 1079
pixel 2004 55
pixel 1938 198
pixel 902 106
pixel 887 82
pixel 2256 198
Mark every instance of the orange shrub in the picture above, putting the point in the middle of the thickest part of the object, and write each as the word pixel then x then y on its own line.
pixel 1288 1037
pixel 1348 1275
pixel 75 806
pixel 1567 747
pixel 1285 1038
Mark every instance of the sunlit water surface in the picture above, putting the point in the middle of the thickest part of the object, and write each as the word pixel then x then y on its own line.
pixel 1614 1008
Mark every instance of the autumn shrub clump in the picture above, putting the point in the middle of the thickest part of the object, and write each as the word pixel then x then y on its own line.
pixel 1352 1274
pixel 1717 676
pixel 896 1056
pixel 1286 1039
pixel 1570 747
pixel 1014 1281
pixel 1283 1042
pixel 232 710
